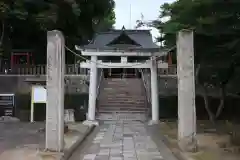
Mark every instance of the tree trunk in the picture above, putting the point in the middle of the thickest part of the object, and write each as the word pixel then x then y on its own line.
pixel 197 74
pixel 1 43
pixel 2 35
pixel 206 104
pixel 221 104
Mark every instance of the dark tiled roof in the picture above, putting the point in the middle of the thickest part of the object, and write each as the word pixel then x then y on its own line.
pixel 141 37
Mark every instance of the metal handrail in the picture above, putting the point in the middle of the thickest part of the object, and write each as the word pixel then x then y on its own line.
pixel 99 83
pixel 146 88
pixel 145 85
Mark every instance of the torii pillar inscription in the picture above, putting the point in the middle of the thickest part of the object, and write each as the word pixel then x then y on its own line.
pixel 55 91
pixel 186 91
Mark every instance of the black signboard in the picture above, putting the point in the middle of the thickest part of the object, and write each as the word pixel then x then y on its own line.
pixel 7 105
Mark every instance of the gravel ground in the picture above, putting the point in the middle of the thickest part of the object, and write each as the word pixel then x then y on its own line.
pixel 20 134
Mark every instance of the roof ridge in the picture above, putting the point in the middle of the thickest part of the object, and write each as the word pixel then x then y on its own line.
pixel 147 31
pixel 123 34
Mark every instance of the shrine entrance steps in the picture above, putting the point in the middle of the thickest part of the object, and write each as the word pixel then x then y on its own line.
pixel 122 98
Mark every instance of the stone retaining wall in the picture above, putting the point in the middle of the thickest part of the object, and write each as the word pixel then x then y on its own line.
pixel 18 84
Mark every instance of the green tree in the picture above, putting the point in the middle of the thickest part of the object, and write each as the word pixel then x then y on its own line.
pixel 24 23
pixel 216 26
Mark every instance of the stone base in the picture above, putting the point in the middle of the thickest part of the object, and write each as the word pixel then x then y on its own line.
pixel 90 123
pixel 153 122
pixel 188 144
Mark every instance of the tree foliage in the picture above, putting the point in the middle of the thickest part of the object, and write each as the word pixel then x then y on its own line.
pixel 24 23
pixel 216 27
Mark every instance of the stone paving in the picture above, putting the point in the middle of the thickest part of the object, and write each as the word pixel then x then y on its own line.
pixel 122 140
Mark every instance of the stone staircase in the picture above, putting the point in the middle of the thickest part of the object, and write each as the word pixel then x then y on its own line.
pixel 122 99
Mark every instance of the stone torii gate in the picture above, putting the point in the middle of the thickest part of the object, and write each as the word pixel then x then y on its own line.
pixel 152 64
pixel 55 89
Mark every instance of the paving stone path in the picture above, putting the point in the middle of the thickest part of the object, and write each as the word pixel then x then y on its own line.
pixel 122 140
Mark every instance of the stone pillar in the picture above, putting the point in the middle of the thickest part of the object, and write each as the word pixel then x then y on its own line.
pixel 186 91
pixel 154 92
pixel 92 89
pixel 55 91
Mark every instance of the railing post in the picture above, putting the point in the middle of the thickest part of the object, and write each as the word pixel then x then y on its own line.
pixel 30 70
pixel 69 69
pixel 34 70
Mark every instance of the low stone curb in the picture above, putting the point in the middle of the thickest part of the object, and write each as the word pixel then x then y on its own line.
pixel 68 153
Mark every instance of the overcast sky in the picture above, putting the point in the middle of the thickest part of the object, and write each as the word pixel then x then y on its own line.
pixel 149 8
